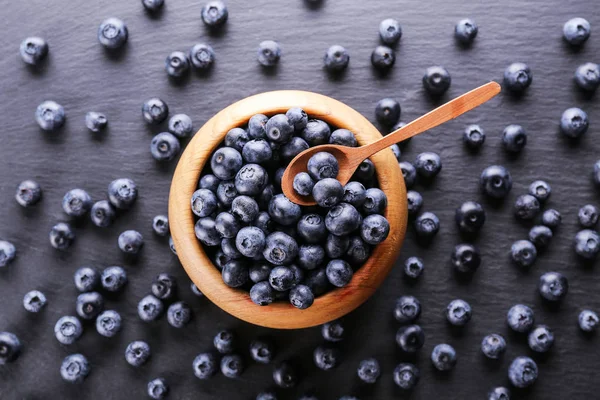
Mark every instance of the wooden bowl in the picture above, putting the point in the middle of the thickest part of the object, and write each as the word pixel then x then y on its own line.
pixel 207 277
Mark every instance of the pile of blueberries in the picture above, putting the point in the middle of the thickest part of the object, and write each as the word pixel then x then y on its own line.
pixel 276 249
pixel 265 243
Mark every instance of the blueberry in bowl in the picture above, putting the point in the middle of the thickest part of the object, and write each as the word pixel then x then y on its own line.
pixel 258 255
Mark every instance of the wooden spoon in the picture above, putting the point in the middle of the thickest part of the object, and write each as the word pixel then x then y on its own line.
pixel 349 158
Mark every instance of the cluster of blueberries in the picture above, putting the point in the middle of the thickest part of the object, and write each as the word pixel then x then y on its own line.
pixel 262 241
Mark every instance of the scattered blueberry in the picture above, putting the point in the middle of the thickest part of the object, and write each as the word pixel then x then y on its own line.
pixel 474 137
pixel 514 138
pixel 7 253
pixel 34 301
pixel 33 50
pixel 75 368
pixel 551 218
pixel 387 111
pixel 122 193
pixel 29 193
pixel 164 286
pixel 587 244
pixel 150 308
pixel 443 357
pixel 436 80
pixel 413 267
pixel 113 279
pixel 390 31
pixel 427 225
pixel 195 290
pixel 336 58
pixel 495 181
pixel 588 216
pixel 428 164
pixel 137 353
pixel 517 77
pixel 553 286
pixel 269 53
pixel 160 225
pixel 155 111
pixel 576 31
pixel 526 207
pixel 409 173
pixel 130 242
pixel 406 376
pixel 202 56
pixel 407 309
pixel 10 347
pixel 285 375
pixel 76 203
pixel 205 365
pixel 369 370
pixel 574 122
pixel 158 389
pixel 540 339
pixel 493 346
pixel 67 330
pixel 112 33
pixel 588 321
pixel 470 217
pixel 520 318
pixel 326 357
pixel 410 338
pixel 232 365
pixel 61 236
pixel 523 253
pixel 153 5
pixel 180 125
pixel 523 372
pixel 262 351
pixel 108 324
pixel 383 58
pixel 465 31
pixel 458 312
pixel 95 121
pixel 179 314
pixel 89 305
pixel 50 115
pixel 214 14
pixel 164 146
pixel 465 258
pixel 177 64
pixel 540 236
pixel 587 76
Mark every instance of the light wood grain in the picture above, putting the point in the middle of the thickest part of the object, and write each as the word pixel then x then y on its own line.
pixel 208 278
pixel 349 158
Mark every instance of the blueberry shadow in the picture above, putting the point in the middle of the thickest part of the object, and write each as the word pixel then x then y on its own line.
pixel 514 97
pixel 382 73
pixel 203 73
pixel 179 81
pixel 269 71
pixel 491 364
pixel 117 54
pixel 457 331
pixel 40 68
pixel 314 4
pixel 100 136
pixel 54 137
pixel 582 94
pixel 217 32
pixel 336 76
pixel 463 278
pixel 464 46
pixel 553 306
pixel 570 48
pixel 155 14
pixel 31 212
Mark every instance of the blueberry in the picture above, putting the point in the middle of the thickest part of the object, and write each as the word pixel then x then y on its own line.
pixel 396 150
pixel 34 301
pixel 283 211
pixel 226 192
pixel 297 117
pixel 458 312
pixel 262 350
pixel 263 221
pixel 179 314
pixel 285 375
pixel 339 273
pixel 576 31
pixel 150 308
pixel 202 56
pixel 302 297
pixel 137 353
pixel 343 137
pixel 428 164
pixel 75 368
pixel 390 31
pixel 76 203
pixel 495 181
pixel 383 58
pixel 365 173
pixel 282 278
pixel 427 225
pixel 262 293
pixel 317 281
pixel 470 217
pixel 177 64
pixel 436 80
pixel 413 267
pixel 499 393
pixel 587 76
pixel 227 225
pixel 410 338
pixel 195 290
pixel 369 370
pixel 588 321
pixel 230 250
pixel 257 151
pixel 279 176
pixel 466 258
pixel 108 324
pixel 387 112
pixel 158 389
pixel 250 241
pixel 112 33
pixel 209 182
pixel 269 53
pixel 153 5
pixel 523 253
pixel 235 273
pixel 336 246
pixel 155 111
pixel 50 115
pixel 588 216
pixel 206 232
pixel 205 365
pixel 375 201
pixel 61 236
pixel 257 126
pixel 342 219
pixel 328 192
pixel 322 165
pixel 333 331
pixel 251 180
pixel 526 207
pixel 587 244
pixel 553 286
pixel 28 193
pixel 407 309
pixel 160 225
pixel 131 242
pixel 244 208
pixel 474 137
pixel 10 347
pixel 540 339
pixel 260 272
pixel 122 193
pixel 164 146
pixel 291 149
pixel 493 346
pixel 540 236
pixel 316 132
pixel 87 279
pixel 311 256
pixel 374 229
pixel 67 330
pixel 517 77
pixel 214 14
pixel 514 138
pixel 89 305
pixel 551 218
pixel 409 173
pixel 95 121
pixel 7 253
pixel 465 31
pixel 164 286
pixel 220 258
pixel 232 366
pixel 358 251
pixel 180 125
pixel 172 245
pixel 237 139
pixel 574 122
pixel 443 357
pixel 336 58
pixel 303 184
pixel 355 194
pixel 326 357
pixel 520 318
pixel 523 372
pixel 33 50
pixel 406 376
pixel 113 279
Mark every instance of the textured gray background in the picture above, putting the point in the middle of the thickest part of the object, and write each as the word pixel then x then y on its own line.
pixel 82 77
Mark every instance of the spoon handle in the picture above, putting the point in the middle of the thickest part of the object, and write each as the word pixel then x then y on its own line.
pixel 443 113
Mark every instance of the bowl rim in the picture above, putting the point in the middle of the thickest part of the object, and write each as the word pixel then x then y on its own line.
pixel 207 277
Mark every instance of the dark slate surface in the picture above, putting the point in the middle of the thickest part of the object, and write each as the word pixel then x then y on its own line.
pixel 81 76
